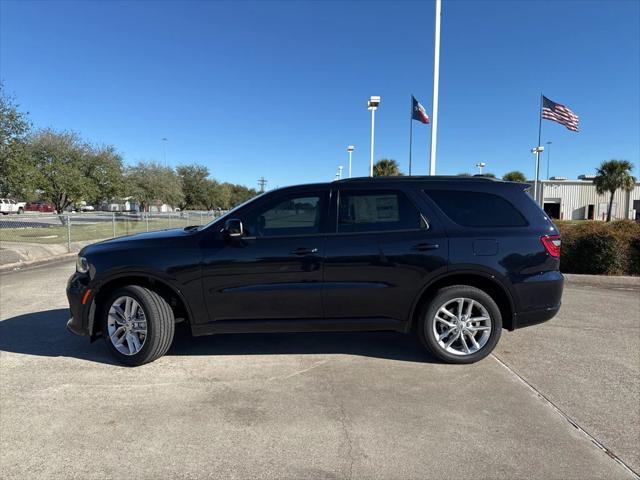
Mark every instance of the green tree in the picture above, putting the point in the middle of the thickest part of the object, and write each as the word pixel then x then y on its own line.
pixel 464 174
pixel 151 183
pixel 193 179
pixel 61 171
pixel 223 192
pixel 386 167
pixel 211 194
pixel 612 175
pixel 103 166
pixel 240 194
pixel 18 171
pixel 515 176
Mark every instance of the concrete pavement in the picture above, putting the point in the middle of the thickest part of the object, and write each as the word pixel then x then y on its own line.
pixel 318 405
pixel 587 363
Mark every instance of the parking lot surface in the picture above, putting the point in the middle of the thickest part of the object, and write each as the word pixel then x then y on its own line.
pixel 559 400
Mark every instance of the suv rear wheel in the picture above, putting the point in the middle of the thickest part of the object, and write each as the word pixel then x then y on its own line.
pixel 137 325
pixel 462 324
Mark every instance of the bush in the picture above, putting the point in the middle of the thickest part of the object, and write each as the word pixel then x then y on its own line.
pixel 595 247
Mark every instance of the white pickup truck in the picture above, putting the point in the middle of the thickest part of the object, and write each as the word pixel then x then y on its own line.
pixel 8 206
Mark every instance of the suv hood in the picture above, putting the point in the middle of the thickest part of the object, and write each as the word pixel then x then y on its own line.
pixel 137 240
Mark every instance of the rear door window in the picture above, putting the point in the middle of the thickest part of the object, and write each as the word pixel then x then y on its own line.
pixel 477 209
pixel 372 211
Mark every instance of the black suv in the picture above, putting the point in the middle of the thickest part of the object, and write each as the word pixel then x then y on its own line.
pixel 453 259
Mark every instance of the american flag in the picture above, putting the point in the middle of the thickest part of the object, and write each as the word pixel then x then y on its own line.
pixel 559 113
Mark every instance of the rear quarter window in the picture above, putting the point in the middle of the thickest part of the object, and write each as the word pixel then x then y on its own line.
pixel 370 211
pixel 477 209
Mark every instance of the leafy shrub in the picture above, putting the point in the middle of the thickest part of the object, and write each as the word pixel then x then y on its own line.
pixel 594 247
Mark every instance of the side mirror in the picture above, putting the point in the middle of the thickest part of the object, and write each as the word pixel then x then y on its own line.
pixel 233 228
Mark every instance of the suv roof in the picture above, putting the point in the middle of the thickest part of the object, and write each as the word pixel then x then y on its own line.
pixel 401 179
pixel 418 178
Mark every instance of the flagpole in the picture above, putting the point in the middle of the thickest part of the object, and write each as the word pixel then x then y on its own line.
pixel 410 133
pixel 436 77
pixel 537 179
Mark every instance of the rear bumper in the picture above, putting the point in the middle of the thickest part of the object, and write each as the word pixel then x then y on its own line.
pixel 541 296
pixel 527 319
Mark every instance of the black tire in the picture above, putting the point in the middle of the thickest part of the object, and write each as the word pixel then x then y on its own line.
pixel 160 325
pixel 427 319
pixel 20 211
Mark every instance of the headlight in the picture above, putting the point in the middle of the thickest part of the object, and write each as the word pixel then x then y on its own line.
pixel 82 265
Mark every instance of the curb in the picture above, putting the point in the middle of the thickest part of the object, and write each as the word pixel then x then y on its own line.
pixel 13 267
pixel 602 280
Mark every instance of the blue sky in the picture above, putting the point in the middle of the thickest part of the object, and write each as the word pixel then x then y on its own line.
pixel 279 89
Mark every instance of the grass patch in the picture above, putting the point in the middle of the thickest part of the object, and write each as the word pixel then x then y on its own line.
pixel 84 231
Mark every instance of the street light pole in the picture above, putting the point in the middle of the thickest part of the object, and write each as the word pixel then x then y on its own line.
pixel 350 149
pixel 480 166
pixel 537 151
pixel 373 104
pixel 548 157
pixel 373 130
pixel 340 172
pixel 164 150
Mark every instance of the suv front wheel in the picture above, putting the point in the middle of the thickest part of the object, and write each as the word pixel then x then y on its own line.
pixel 137 325
pixel 462 324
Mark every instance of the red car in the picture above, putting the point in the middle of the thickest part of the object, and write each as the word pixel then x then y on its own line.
pixel 39 207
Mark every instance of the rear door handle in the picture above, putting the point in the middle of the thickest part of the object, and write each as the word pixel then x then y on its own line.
pixel 304 251
pixel 423 247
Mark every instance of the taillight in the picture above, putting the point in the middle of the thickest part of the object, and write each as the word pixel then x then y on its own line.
pixel 552 244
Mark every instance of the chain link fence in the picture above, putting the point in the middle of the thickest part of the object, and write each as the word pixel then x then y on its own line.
pixel 41 235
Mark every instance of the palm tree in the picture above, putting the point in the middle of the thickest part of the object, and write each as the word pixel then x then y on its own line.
pixel 386 167
pixel 514 176
pixel 612 175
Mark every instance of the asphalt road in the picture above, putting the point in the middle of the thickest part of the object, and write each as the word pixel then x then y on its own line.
pixel 556 401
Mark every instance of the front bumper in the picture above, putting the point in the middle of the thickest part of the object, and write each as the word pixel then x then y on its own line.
pixel 80 322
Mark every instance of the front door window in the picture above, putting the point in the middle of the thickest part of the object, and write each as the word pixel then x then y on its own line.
pixel 291 216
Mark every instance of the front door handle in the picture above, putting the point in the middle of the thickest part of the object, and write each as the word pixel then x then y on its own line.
pixel 423 247
pixel 304 251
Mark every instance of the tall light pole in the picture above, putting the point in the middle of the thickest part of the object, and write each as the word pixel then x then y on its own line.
pixel 164 150
pixel 548 157
pixel 340 172
pixel 480 166
pixel 536 151
pixel 373 104
pixel 436 80
pixel 350 149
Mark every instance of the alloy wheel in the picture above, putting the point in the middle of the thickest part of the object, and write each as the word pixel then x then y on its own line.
pixel 127 325
pixel 462 326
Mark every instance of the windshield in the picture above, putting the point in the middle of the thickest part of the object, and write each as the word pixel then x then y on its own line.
pixel 227 215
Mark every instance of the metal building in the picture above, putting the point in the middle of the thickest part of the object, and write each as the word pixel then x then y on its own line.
pixel 578 200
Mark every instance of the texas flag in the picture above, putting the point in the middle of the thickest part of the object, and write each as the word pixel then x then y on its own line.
pixel 418 112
